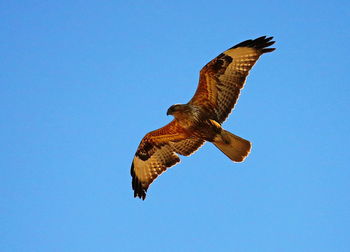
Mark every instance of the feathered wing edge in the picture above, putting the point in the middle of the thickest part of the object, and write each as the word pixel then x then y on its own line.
pixel 260 43
pixel 139 191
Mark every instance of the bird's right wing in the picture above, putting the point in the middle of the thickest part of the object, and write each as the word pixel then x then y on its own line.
pixel 157 152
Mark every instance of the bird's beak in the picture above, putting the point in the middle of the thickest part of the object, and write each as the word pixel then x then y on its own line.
pixel 170 111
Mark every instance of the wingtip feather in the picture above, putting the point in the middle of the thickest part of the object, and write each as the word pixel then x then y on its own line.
pixel 262 43
pixel 139 190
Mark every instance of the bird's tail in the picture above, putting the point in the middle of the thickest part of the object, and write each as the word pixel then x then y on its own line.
pixel 235 147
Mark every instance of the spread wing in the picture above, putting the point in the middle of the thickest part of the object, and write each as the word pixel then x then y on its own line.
pixel 157 152
pixel 222 78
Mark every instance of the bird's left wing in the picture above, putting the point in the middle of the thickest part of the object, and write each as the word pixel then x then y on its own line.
pixel 157 152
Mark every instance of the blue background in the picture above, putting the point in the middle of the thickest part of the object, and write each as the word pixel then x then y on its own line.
pixel 81 83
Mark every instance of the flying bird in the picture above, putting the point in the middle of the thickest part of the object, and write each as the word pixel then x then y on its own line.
pixel 199 120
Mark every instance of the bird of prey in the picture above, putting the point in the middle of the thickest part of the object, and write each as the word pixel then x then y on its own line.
pixel 199 120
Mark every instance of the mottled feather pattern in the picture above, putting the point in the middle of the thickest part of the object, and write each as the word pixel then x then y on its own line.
pixel 230 83
pixel 159 157
pixel 222 78
pixel 187 147
pixel 144 172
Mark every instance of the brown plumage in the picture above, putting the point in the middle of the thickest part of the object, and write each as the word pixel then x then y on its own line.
pixel 200 119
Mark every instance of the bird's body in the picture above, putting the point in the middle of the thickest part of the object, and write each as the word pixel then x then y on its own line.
pixel 200 119
pixel 194 121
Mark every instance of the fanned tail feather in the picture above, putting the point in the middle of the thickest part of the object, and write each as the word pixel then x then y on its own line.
pixel 234 147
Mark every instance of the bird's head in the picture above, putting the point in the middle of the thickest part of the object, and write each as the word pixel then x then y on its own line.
pixel 178 109
pixel 173 109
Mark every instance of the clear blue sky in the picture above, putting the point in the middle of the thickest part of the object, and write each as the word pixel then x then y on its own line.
pixel 81 82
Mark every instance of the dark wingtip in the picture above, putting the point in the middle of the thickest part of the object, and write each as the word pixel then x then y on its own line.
pixel 139 191
pixel 261 43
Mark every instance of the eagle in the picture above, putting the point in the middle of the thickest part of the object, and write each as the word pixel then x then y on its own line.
pixel 199 120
